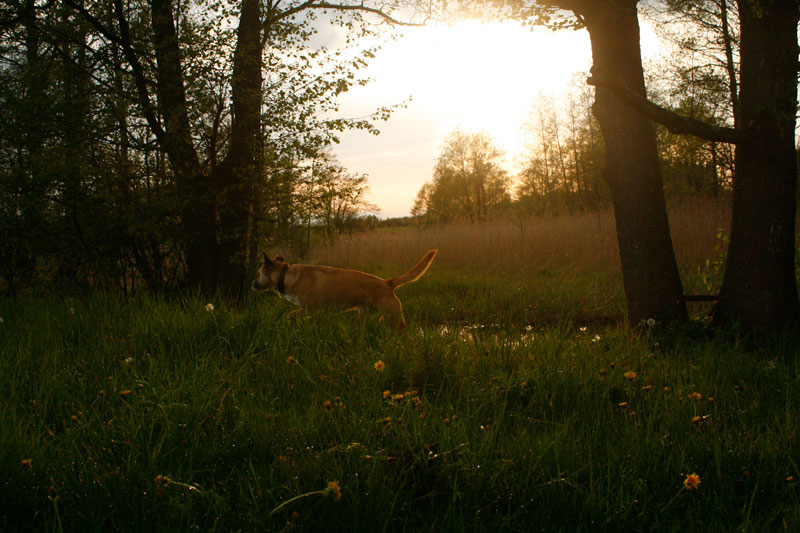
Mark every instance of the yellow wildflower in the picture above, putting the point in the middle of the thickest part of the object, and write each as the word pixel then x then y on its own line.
pixel 630 374
pixel 379 366
pixel 291 360
pixel 386 394
pixel 333 490
pixel 695 396
pixel 623 404
pixel 647 387
pixel 398 396
pixel 26 462
pixel 692 481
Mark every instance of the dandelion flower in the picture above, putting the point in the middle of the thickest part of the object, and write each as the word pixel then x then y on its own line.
pixel 622 404
pixel 328 405
pixel 692 481
pixel 696 419
pixel 290 360
pixel 333 490
pixel 630 374
pixel 695 396
pixel 26 462
pixel 651 322
pixel 647 387
pixel 398 396
pixel 386 394
pixel 379 366
pixel 209 307
pixel 126 392
pixel 789 479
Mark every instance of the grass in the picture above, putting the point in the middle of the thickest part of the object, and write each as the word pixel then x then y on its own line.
pixel 516 403
pixel 155 414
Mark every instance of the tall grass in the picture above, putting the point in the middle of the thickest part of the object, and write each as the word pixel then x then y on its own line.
pixel 586 240
pixel 156 415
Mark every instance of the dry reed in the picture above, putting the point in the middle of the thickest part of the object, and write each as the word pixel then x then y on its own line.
pixel 584 241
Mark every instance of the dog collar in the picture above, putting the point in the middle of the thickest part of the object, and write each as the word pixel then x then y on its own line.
pixel 282 279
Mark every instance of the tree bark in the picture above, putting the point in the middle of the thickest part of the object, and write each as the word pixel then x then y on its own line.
pixel 650 273
pixel 759 287
pixel 240 173
pixel 193 186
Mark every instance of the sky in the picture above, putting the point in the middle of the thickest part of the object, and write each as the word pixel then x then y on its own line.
pixel 472 75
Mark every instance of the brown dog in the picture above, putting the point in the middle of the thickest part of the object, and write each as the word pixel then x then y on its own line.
pixel 313 287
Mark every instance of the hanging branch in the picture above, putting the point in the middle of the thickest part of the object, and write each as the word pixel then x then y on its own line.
pixel 674 122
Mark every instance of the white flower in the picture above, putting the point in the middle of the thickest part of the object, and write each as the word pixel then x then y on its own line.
pixel 209 307
pixel 71 311
pixel 651 322
pixel 129 360
pixel 596 338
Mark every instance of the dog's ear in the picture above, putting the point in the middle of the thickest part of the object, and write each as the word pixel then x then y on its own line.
pixel 279 259
pixel 267 262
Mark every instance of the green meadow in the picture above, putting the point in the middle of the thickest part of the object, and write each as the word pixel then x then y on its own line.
pixel 517 402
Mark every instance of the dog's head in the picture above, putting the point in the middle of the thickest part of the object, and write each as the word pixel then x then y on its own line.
pixel 268 274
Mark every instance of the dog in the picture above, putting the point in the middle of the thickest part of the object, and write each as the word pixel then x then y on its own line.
pixel 313 287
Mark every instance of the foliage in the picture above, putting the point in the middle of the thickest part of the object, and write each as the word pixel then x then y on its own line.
pixel 468 181
pixel 86 192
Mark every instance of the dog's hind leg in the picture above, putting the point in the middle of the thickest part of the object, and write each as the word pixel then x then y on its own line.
pixel 297 313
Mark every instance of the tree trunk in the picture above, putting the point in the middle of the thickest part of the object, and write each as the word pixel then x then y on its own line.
pixel 650 274
pixel 194 188
pixel 759 288
pixel 243 166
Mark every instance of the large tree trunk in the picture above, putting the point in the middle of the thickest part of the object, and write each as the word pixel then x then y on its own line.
pixel 240 174
pixel 194 188
pixel 650 274
pixel 759 288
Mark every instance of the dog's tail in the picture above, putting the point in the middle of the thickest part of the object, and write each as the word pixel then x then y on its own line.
pixel 415 273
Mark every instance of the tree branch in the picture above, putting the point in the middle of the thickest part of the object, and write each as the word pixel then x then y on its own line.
pixel 361 7
pixel 124 42
pixel 674 122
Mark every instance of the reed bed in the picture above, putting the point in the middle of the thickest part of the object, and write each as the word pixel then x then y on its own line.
pixel 586 241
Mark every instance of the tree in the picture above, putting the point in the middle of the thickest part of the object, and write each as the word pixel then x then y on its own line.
pixel 468 182
pixel 652 283
pixel 221 213
pixel 759 288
